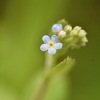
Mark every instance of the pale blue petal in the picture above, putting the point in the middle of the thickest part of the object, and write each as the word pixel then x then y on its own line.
pixel 54 38
pixel 52 51
pixel 56 27
pixel 46 38
pixel 44 47
pixel 58 45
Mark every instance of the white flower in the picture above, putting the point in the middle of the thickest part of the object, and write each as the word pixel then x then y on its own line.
pixel 50 44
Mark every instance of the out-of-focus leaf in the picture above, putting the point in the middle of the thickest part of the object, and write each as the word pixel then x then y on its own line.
pixel 63 67
pixel 58 89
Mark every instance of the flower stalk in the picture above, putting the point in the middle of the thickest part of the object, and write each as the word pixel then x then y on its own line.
pixel 49 63
pixel 63 38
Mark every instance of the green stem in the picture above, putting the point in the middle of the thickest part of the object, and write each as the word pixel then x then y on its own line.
pixel 42 91
pixel 49 63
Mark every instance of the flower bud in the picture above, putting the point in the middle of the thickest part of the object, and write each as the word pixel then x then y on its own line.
pixel 73 33
pixel 56 28
pixel 62 34
pixel 82 33
pixel 84 39
pixel 63 22
pixel 70 39
pixel 68 28
pixel 77 28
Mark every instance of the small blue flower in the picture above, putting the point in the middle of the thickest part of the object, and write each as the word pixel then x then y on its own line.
pixel 56 28
pixel 51 44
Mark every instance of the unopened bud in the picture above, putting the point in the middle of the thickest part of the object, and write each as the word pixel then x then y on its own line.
pixel 68 28
pixel 56 28
pixel 84 39
pixel 77 28
pixel 63 22
pixel 73 33
pixel 82 33
pixel 62 34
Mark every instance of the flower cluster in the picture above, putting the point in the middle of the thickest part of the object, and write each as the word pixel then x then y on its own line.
pixel 77 37
pixel 60 31
pixel 64 35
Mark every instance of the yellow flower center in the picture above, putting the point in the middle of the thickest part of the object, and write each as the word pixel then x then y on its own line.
pixel 51 44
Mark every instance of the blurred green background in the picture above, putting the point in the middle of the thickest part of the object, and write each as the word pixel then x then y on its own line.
pixel 22 24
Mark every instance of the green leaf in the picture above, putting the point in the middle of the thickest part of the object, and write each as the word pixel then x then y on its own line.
pixel 63 67
pixel 59 91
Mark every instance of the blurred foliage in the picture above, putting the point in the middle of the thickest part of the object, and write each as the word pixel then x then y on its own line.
pixel 22 24
pixel 85 76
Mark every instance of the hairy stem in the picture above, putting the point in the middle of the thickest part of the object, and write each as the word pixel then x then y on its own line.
pixel 49 63
pixel 42 91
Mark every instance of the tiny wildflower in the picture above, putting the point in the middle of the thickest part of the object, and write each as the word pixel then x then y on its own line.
pixel 56 28
pixel 50 44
